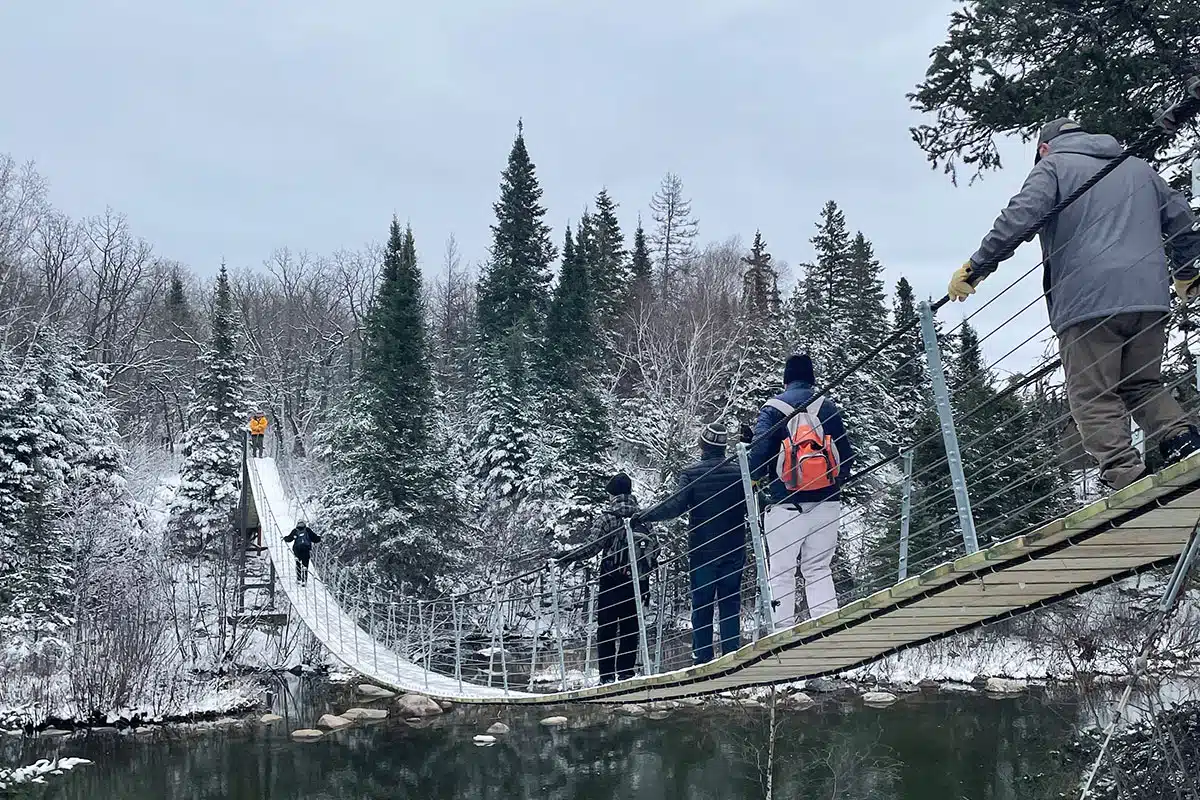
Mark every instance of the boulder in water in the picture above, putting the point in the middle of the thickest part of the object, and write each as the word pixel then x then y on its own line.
pixel 484 740
pixel 268 719
pixel 306 735
pixel 333 722
pixel 878 699
pixel 498 729
pixel 801 700
pixel 632 710
pixel 1005 686
pixel 375 692
pixel 417 705
pixel 365 714
pixel 555 722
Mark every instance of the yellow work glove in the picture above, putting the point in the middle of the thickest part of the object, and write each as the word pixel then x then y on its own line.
pixel 1185 290
pixel 960 286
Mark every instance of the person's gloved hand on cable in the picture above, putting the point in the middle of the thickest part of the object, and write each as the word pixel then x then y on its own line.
pixel 1186 288
pixel 960 282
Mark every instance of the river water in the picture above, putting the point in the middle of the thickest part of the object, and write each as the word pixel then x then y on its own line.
pixel 932 746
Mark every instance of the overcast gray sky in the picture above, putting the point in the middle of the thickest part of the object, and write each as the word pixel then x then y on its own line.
pixel 226 129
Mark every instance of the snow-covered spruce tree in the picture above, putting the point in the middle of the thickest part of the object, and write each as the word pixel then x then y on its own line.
pixel 387 486
pixel 641 283
pixel 840 317
pixel 574 415
pixel 608 270
pixel 514 286
pixel 512 300
pixel 909 381
pixel 764 340
pixel 206 500
pixel 60 452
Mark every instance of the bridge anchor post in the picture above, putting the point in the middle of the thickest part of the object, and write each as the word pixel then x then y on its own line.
pixel 758 543
pixel 941 397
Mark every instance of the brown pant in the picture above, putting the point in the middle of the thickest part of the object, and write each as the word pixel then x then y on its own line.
pixel 1114 369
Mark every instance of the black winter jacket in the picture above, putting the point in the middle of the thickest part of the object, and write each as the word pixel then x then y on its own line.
pixel 711 494
pixel 302 538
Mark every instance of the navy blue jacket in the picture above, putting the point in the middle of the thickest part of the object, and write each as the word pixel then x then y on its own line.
pixel 711 494
pixel 769 434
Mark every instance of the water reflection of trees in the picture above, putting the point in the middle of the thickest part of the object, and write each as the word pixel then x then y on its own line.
pixel 920 748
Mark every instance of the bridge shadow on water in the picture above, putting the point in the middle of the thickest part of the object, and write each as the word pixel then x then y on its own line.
pixel 925 746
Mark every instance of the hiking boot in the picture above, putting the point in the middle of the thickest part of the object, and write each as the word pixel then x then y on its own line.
pixel 1180 446
pixel 1111 488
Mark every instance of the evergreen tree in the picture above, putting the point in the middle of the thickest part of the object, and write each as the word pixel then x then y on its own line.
pixel 1112 64
pixel 760 283
pixel 764 339
pixel 512 302
pixel 640 281
pixel 389 482
pixel 60 457
pixel 575 418
pixel 840 318
pixel 608 268
pixel 910 378
pixel 208 491
pixel 513 290
pixel 674 237
pixel 396 368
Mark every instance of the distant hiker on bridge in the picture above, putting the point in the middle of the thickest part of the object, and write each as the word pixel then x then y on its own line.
pixel 616 615
pixel 711 493
pixel 302 538
pixel 1107 279
pixel 258 430
pixel 803 463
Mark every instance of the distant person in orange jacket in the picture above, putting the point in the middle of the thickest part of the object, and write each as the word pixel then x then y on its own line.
pixel 258 431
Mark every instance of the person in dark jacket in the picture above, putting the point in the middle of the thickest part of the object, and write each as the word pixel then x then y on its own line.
pixel 617 628
pixel 710 493
pixel 1108 262
pixel 302 538
pixel 799 524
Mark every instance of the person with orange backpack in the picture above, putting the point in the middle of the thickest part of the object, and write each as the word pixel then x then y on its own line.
pixel 801 465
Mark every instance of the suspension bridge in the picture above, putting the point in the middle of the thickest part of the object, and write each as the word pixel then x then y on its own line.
pixel 528 638
pixel 1145 526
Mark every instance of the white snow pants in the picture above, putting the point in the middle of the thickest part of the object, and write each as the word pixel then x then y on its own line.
pixel 810 535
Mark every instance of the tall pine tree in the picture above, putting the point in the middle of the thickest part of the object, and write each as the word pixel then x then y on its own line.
pixel 208 491
pixel 514 286
pixel 512 301
pixel 391 485
pixel 640 279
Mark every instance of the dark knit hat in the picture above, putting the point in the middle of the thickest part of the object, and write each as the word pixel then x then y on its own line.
pixel 1053 129
pixel 713 435
pixel 619 484
pixel 798 368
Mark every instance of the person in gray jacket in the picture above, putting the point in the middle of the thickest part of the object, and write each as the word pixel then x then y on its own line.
pixel 1107 274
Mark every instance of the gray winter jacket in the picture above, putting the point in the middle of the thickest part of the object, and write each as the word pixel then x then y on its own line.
pixel 1104 254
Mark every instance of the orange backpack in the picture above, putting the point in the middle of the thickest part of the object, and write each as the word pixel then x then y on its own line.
pixel 808 459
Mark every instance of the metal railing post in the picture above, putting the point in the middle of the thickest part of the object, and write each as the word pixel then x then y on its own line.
pixel 589 624
pixel 637 597
pixel 558 634
pixel 500 630
pixel 457 643
pixel 758 541
pixel 537 618
pixel 660 573
pixel 905 513
pixel 941 396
